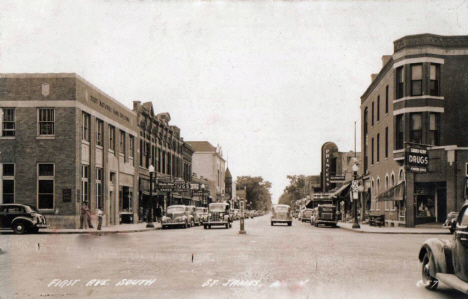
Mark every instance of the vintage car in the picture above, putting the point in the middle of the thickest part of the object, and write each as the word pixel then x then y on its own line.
pixel 237 214
pixel 447 261
pixel 21 218
pixel 178 215
pixel 324 214
pixel 281 214
pixel 451 221
pixel 305 215
pixel 195 217
pixel 218 214
pixel 203 213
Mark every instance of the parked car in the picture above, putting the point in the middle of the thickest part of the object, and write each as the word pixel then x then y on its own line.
pixel 451 222
pixel 447 261
pixel 281 214
pixel 203 213
pixel 21 218
pixel 177 215
pixel 237 213
pixel 306 214
pixel 218 214
pixel 195 217
pixel 324 214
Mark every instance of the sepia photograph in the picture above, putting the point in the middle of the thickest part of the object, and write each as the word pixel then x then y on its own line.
pixel 234 149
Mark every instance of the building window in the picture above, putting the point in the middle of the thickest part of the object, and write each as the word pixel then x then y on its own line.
pixel 378 108
pixel 386 100
pixel 373 206
pixel 8 127
pixel 399 83
pixel 131 146
pixel 46 182
pixel 373 112
pixel 377 193
pixel 99 132
pixel 112 137
pixel 434 87
pixel 372 151
pixel 8 181
pixel 142 149
pixel 46 121
pixel 85 126
pixel 399 132
pixel 386 142
pixel 122 142
pixel 153 155
pixel 378 147
pixel 416 128
pixel 434 120
pixel 99 180
pixel 416 79
pixel 85 183
pixel 393 180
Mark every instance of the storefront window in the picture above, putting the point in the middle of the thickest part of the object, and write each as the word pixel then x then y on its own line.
pixel 426 207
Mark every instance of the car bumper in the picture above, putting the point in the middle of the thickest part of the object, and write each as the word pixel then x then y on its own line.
pixel 326 222
pixel 216 222
pixel 173 223
pixel 281 220
pixel 42 225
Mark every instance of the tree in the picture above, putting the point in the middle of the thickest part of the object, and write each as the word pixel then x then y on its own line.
pixel 295 190
pixel 258 192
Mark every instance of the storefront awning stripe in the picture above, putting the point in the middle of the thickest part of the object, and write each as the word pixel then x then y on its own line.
pixel 341 191
pixel 394 193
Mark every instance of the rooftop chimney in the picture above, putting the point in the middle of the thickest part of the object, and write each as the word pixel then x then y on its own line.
pixel 385 59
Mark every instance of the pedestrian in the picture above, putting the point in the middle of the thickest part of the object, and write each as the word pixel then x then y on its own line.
pixel 88 216
pixel 99 214
pixel 83 215
pixel 158 214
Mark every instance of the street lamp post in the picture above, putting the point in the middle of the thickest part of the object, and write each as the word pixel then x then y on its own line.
pixel 242 230
pixel 355 197
pixel 150 211
pixel 203 194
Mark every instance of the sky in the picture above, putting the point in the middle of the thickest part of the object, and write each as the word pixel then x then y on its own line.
pixel 269 81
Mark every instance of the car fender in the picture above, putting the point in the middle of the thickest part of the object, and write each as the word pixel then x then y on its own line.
pixel 435 247
pixel 28 220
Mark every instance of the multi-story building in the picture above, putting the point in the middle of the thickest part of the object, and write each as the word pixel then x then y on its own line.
pixel 207 161
pixel 64 141
pixel 418 99
pixel 160 146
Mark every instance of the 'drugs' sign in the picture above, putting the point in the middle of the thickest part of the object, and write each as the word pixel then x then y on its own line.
pixel 416 159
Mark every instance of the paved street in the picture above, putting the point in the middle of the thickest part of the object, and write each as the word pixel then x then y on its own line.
pixel 269 262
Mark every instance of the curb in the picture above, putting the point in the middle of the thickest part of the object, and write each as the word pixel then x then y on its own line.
pixel 97 232
pixel 392 233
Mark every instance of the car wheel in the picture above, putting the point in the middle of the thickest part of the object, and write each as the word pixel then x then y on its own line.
pixel 193 224
pixel 205 226
pixel 227 225
pixel 19 227
pixel 316 224
pixel 452 230
pixel 186 224
pixel 272 223
pixel 290 223
pixel 429 282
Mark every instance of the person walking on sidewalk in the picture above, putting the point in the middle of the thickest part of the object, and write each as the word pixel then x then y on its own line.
pixel 85 217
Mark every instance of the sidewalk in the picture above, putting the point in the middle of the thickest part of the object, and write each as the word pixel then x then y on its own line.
pixel 113 229
pixel 366 228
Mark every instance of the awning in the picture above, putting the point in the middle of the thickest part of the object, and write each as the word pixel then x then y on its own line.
pixel 342 191
pixel 394 193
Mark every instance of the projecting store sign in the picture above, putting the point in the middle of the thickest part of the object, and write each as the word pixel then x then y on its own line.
pixel 416 159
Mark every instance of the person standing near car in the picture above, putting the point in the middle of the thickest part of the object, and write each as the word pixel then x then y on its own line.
pixel 83 216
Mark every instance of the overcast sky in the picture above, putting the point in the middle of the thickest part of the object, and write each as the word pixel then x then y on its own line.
pixel 268 81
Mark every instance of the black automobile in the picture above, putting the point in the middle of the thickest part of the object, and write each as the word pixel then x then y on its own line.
pixel 21 218
pixel 447 261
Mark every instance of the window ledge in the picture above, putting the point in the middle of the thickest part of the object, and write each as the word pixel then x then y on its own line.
pixel 45 137
pixel 99 146
pixel 7 137
pixel 110 151
pixel 386 114
pixel 85 142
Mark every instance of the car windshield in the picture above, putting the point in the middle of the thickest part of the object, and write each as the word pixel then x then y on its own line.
pixel 33 208
pixel 218 208
pixel 175 210
pixel 281 209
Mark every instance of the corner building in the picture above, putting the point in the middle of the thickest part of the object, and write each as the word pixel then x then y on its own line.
pixel 417 99
pixel 64 141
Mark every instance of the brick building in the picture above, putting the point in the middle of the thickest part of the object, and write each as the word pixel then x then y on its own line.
pixel 418 99
pixel 64 141
pixel 162 147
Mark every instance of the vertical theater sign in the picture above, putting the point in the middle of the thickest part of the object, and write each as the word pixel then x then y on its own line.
pixel 328 165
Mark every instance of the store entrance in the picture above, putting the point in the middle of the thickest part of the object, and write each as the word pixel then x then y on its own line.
pixel 441 204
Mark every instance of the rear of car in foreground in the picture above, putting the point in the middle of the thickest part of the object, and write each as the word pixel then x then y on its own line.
pixel 281 214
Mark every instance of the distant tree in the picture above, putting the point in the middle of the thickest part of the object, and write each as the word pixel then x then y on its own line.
pixel 295 190
pixel 258 192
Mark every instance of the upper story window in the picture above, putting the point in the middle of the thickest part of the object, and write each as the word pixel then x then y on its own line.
pixel 373 113
pixel 416 128
pixel 122 142
pixel 8 127
pixel 386 99
pixel 416 79
pixel 131 146
pixel 386 142
pixel 434 87
pixel 99 132
pixel 378 108
pixel 46 120
pixel 399 83
pixel 85 126
pixel 434 135
pixel 399 129
pixel 112 137
pixel 378 147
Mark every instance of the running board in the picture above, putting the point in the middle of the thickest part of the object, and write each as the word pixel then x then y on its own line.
pixel 453 281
